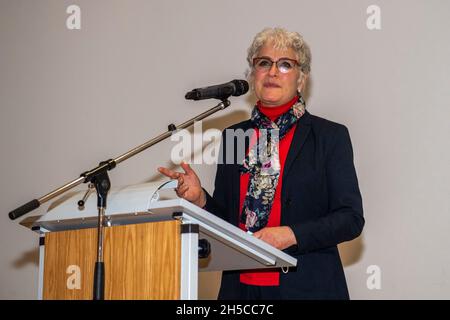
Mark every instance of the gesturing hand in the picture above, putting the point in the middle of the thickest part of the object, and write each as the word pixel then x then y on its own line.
pixel 189 186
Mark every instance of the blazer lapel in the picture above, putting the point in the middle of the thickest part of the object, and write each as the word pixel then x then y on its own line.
pixel 301 133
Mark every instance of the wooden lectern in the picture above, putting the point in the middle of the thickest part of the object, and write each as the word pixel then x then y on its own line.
pixel 151 247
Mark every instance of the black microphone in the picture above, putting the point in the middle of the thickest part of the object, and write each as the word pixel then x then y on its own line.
pixel 221 91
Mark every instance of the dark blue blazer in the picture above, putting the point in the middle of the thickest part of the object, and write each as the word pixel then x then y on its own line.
pixel 321 202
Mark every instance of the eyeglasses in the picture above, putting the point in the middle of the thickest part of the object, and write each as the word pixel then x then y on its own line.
pixel 284 65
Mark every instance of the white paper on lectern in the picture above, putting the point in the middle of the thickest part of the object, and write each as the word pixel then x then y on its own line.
pixel 120 200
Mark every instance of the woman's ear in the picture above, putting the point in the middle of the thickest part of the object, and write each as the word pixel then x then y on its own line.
pixel 302 81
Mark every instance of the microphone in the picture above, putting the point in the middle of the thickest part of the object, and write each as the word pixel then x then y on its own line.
pixel 221 91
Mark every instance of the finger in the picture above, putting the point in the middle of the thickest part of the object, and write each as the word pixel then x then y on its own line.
pixel 257 234
pixel 180 180
pixel 183 195
pixel 187 168
pixel 182 190
pixel 169 173
pixel 179 195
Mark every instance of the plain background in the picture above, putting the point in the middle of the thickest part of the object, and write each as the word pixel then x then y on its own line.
pixel 71 98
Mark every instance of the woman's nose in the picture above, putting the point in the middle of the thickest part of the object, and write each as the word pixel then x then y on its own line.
pixel 273 69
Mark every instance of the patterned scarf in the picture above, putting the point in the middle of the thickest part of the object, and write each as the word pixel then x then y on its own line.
pixel 263 164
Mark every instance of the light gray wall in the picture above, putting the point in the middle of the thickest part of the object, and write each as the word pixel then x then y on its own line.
pixel 70 98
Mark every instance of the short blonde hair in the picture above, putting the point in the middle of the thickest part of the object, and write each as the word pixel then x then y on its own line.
pixel 282 40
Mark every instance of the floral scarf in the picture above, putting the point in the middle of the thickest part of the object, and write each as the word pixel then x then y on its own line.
pixel 263 164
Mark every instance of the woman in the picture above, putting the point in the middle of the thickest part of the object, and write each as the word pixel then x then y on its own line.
pixel 300 195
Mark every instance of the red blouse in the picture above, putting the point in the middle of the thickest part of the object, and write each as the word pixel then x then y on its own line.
pixel 257 277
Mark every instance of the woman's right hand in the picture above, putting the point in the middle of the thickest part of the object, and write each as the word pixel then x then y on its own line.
pixel 189 186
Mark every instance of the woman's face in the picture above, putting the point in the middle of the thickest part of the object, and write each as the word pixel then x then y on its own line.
pixel 272 87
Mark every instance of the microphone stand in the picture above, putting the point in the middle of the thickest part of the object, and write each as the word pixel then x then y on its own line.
pixel 99 177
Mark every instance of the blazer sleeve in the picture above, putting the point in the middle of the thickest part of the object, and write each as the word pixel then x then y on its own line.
pixel 216 203
pixel 344 220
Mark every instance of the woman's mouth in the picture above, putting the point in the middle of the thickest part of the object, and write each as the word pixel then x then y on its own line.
pixel 271 85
